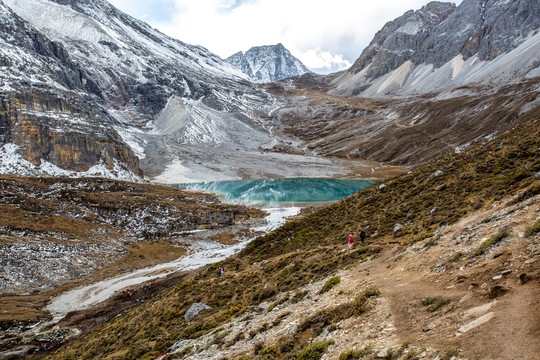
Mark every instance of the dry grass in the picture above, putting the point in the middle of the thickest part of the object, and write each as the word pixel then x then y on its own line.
pixel 312 248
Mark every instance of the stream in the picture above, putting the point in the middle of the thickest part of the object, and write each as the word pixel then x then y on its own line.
pixel 202 253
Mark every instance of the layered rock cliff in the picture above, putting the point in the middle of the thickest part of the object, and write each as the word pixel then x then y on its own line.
pixel 49 106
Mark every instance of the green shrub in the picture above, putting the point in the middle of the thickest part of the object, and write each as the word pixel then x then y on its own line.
pixel 299 296
pixel 449 353
pixel 434 303
pixel 269 352
pixel 243 357
pixel 495 239
pixel 356 354
pixel 533 229
pixel 263 294
pixel 330 283
pixel 315 350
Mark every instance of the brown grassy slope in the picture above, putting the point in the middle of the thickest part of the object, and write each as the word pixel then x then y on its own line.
pixel 129 224
pixel 406 131
pixel 77 207
pixel 428 198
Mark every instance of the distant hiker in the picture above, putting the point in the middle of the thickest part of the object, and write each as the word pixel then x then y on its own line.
pixel 350 240
pixel 362 237
pixel 237 266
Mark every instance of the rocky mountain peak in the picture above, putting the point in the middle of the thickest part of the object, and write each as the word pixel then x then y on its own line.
pixel 401 38
pixel 268 63
pixel 442 46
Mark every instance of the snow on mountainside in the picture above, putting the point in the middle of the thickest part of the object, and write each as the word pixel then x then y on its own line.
pixel 265 64
pixel 48 107
pixel 441 47
pixel 159 95
pixel 11 163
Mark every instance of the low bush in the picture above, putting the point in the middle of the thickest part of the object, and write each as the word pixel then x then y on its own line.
pixel 434 303
pixel 533 229
pixel 356 354
pixel 299 296
pixel 495 239
pixel 449 353
pixel 330 283
pixel 314 351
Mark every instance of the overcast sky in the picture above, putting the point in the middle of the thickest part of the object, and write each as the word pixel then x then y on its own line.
pixel 326 35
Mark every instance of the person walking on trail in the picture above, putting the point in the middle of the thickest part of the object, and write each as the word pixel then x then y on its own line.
pixel 350 240
pixel 237 267
pixel 362 237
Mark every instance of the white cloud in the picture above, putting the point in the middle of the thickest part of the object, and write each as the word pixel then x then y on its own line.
pixel 322 61
pixel 325 35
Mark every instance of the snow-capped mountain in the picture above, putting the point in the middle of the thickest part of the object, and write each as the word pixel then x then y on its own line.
pixel 270 63
pixel 441 47
pixel 85 86
pixel 52 116
pixel 149 91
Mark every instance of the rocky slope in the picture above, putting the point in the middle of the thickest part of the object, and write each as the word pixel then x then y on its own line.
pixel 450 262
pixel 266 64
pixel 53 230
pixel 441 47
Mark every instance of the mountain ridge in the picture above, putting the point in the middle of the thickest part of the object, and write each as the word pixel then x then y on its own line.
pixel 441 47
pixel 268 63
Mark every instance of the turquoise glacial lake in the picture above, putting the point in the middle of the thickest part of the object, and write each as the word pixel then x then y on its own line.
pixel 298 190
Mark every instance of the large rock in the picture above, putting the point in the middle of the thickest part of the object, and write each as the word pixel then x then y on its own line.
pixel 195 309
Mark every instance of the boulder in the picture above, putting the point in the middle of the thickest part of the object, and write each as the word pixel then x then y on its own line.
pixel 195 309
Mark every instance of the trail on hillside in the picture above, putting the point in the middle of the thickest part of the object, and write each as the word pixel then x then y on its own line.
pixel 478 324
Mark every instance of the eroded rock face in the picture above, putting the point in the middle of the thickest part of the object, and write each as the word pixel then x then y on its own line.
pixel 57 130
pixel 401 39
pixel 49 107
pixel 438 32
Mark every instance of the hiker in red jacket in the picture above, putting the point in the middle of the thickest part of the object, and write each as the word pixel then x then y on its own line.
pixel 350 240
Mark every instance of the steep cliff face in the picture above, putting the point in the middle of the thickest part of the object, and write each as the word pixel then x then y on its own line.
pixel 56 130
pixel 401 38
pixel 49 106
